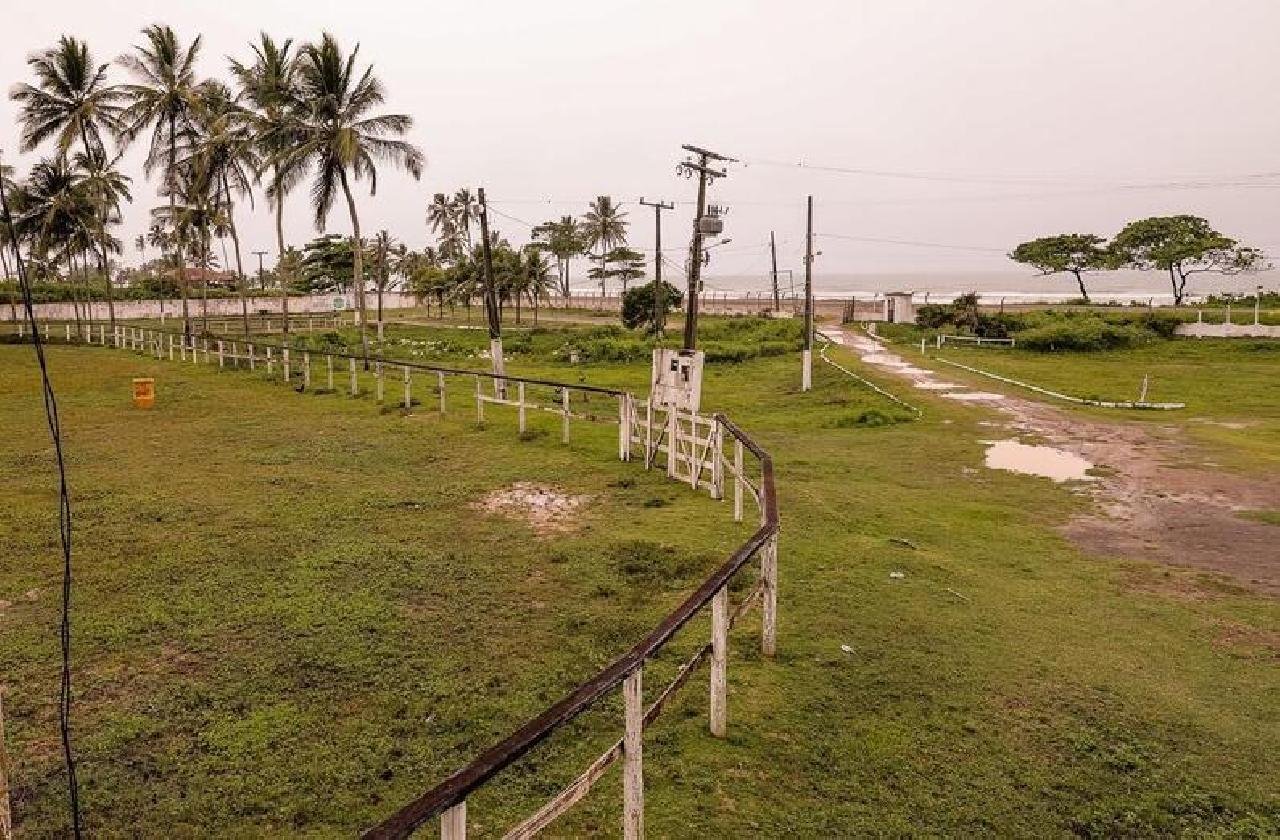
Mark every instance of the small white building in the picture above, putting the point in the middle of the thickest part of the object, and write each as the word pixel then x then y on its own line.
pixel 898 308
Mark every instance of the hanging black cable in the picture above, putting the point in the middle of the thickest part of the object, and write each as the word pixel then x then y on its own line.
pixel 64 520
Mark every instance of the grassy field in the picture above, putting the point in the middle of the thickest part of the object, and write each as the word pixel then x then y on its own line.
pixel 290 619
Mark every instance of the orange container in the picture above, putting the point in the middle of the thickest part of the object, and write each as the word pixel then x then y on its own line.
pixel 144 392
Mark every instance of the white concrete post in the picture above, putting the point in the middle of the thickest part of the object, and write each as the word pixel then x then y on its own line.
pixel 306 370
pixel 378 384
pixel 440 388
pixel 69 336
pixel 520 408
pixel 328 364
pixel 737 480
pixel 220 356
pixel 769 606
pixel 806 370
pixel 453 822
pixel 624 428
pixel 102 334
pixel 633 757
pixel 284 362
pixel 253 362
pixel 354 385
pixel 271 362
pixel 564 415
pixel 408 384
pixel 717 461
pixel 673 449
pixel 720 662
pixel 479 402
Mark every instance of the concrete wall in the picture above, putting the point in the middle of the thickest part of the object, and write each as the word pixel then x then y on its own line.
pixel 220 306
pixel 1202 330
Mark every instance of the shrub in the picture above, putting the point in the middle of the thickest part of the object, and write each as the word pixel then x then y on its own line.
pixel 1084 334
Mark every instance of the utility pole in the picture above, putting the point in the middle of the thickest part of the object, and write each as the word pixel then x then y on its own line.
pixel 806 370
pixel 700 164
pixel 773 256
pixel 491 301
pixel 659 290
pixel 262 281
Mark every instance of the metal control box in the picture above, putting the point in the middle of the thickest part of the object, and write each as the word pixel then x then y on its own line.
pixel 677 379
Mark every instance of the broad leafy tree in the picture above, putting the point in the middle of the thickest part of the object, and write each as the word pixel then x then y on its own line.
pixel 1183 246
pixel 1071 253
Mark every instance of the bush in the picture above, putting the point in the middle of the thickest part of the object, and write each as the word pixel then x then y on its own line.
pixel 1084 334
pixel 867 418
pixel 612 350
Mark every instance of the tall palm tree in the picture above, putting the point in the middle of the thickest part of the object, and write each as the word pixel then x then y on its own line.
pixel 227 149
pixel 140 244
pixel 442 221
pixel 344 141
pixel 164 97
pixel 107 188
pixel 466 210
pixel 563 239
pixel 267 88
pixel 70 103
pixel 57 216
pixel 604 226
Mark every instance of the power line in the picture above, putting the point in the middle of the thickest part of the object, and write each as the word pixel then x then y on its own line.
pixel 64 521
pixel 914 243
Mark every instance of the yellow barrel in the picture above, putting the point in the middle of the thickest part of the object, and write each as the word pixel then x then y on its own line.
pixel 144 392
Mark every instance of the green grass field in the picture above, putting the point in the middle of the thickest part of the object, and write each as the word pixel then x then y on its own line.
pixel 290 619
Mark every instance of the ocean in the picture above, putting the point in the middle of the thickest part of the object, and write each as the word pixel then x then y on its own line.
pixel 992 286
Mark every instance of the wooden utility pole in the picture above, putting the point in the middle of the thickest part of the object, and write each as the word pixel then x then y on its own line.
pixel 700 164
pixel 491 312
pixel 262 282
pixel 806 370
pixel 659 290
pixel 773 256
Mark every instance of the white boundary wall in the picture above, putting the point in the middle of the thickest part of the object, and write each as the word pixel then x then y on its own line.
pixel 229 306
pixel 1202 330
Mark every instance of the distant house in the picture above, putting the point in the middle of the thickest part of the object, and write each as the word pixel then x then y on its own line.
pixel 198 277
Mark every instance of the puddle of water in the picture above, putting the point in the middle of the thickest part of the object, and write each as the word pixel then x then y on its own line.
pixel 1044 461
pixel 975 396
pixel 938 386
pixel 883 359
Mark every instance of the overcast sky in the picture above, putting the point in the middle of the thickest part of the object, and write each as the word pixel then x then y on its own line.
pixel 1009 118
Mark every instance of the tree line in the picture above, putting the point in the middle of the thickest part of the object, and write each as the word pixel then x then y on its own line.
pixel 1180 245
pixel 286 114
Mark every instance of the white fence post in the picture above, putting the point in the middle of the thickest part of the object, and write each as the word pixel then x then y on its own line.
pixel 284 362
pixel 378 384
pixel 328 363
pixel 440 388
pixel 479 402
pixel 408 384
pixel 453 822
pixel 306 370
pixel 520 409
pixel 354 386
pixel 221 358
pixel 737 479
pixel 564 415
pixel 253 362
pixel 720 662
pixel 769 605
pixel 717 460
pixel 633 757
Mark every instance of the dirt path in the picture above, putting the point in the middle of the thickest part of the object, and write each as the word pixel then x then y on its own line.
pixel 1157 498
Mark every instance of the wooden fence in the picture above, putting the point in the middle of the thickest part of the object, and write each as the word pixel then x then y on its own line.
pixel 692 448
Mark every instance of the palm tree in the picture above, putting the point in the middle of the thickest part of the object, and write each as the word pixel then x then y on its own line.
pixel 57 215
pixel 442 221
pixel 227 149
pixel 537 276
pixel 337 133
pixel 165 98
pixel 466 209
pixel 603 227
pixel 71 102
pixel 106 187
pixel 268 88
pixel 140 244
pixel 564 240
pixel 383 251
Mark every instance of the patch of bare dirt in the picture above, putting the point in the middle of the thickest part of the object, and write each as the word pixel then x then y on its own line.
pixel 546 509
pixel 1154 502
